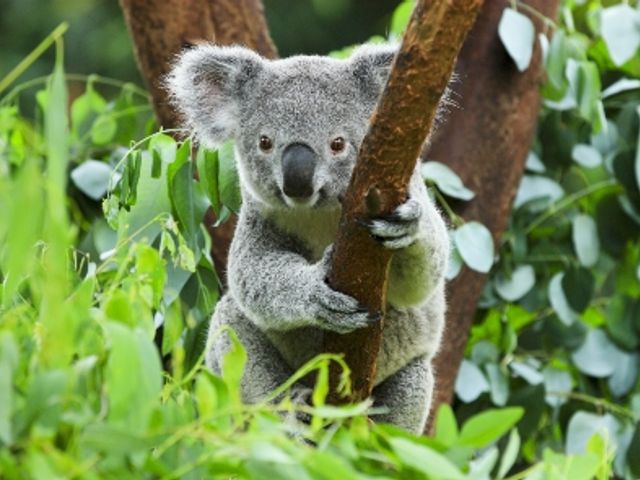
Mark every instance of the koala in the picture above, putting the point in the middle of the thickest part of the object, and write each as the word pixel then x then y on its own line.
pixel 297 124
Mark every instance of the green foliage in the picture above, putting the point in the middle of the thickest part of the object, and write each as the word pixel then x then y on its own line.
pixel 558 331
pixel 107 285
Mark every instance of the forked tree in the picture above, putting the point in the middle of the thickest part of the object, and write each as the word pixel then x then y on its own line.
pixel 485 139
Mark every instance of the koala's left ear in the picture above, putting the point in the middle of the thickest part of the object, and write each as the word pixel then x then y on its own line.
pixel 206 85
pixel 371 64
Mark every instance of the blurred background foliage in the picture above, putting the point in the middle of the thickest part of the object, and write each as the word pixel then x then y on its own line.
pixel 98 42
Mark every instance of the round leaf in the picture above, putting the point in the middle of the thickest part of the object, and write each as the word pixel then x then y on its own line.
pixel 559 301
pixel 556 383
pixel 621 32
pixel 103 130
pixel 92 178
pixel 586 155
pixel 470 383
pixel 578 284
pixel 446 180
pixel 597 356
pixel 517 34
pixel 475 245
pixel 585 240
pixel 584 425
pixel 522 280
pixel 533 187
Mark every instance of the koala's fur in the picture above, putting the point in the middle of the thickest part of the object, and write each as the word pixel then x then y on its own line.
pixel 278 302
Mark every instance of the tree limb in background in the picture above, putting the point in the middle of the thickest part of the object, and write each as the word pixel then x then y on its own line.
pixel 387 159
pixel 160 29
pixel 485 142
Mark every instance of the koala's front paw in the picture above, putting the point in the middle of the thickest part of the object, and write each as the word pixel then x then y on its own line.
pixel 338 312
pixel 400 229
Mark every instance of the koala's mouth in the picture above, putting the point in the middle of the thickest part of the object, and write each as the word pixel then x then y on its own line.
pixel 307 202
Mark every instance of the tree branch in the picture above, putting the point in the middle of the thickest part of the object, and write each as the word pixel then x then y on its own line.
pixel 388 156
pixel 493 129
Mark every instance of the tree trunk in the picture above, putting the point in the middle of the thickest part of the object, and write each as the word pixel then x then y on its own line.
pixel 486 142
pixel 387 159
pixel 162 28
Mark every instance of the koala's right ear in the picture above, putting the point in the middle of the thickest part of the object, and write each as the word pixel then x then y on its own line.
pixel 206 85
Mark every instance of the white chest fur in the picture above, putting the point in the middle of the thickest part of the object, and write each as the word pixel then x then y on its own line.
pixel 316 228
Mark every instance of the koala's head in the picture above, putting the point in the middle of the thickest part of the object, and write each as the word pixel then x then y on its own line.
pixel 297 122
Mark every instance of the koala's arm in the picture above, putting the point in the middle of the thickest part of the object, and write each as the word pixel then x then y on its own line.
pixel 417 270
pixel 278 289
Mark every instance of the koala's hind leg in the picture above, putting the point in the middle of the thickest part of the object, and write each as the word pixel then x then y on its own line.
pixel 265 369
pixel 406 395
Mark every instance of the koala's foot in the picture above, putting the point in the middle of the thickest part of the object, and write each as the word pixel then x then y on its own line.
pixel 401 228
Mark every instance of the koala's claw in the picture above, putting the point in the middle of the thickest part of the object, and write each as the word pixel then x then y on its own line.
pixel 400 229
pixel 341 313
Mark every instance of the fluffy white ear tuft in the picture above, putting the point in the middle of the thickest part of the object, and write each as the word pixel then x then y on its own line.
pixel 206 84
pixel 371 64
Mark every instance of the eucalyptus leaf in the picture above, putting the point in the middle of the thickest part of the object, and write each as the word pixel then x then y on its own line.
pixel 92 178
pixel 446 180
pixel 534 187
pixel 558 385
pixel 475 245
pixel 585 240
pixel 559 301
pixel 597 356
pixel 583 425
pixel 518 285
pixel 621 32
pixel 517 34
pixel 586 155
pixel 470 382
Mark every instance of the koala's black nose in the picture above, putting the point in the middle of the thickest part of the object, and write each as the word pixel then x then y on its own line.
pixel 298 165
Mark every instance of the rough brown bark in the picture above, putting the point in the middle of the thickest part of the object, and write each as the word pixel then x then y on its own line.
pixel 486 142
pixel 162 28
pixel 388 155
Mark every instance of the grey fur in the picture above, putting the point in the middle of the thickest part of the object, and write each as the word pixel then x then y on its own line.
pixel 278 301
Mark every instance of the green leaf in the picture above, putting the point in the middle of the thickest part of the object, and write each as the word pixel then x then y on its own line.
pixel 586 155
pixel 588 89
pixel 475 245
pixel 621 32
pixel 485 428
pixel 509 455
pixel 401 16
pixel 92 178
pixel 522 280
pixel 446 180
pixel 559 301
pixel 180 180
pixel 584 425
pixel 425 460
pixel 499 383
pixel 556 59
pixel 534 187
pixel 597 356
pixel 625 375
pixel 446 426
pixel 633 459
pixel 578 285
pixel 558 384
pixel 517 34
pixel 637 159
pixel 228 182
pixel 585 240
pixel 622 85
pixel 103 129
pixel 8 363
pixel 133 377
pixel 208 164
pixel 470 382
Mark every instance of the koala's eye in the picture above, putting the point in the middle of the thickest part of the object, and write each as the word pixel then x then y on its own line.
pixel 265 143
pixel 337 145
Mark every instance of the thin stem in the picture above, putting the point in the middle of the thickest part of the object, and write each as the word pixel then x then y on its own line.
pixel 33 56
pixel 535 13
pixel 456 219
